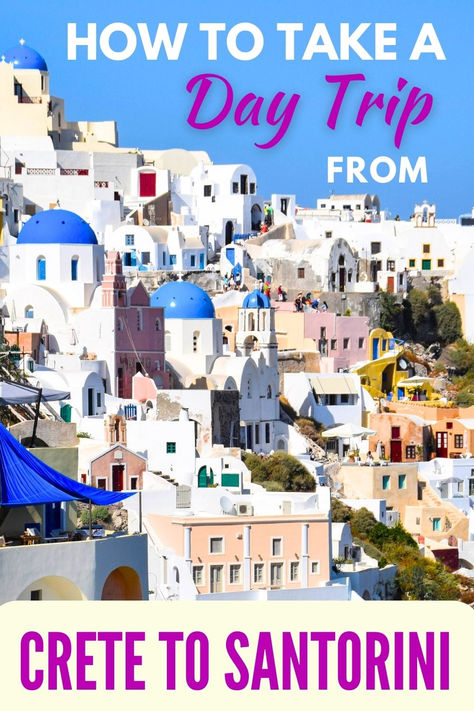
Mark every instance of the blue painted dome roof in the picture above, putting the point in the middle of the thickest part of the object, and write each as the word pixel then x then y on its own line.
pixel 56 227
pixel 256 300
pixel 182 299
pixel 24 57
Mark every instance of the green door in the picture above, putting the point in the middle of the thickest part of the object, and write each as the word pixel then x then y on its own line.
pixel 426 264
pixel 65 413
pixel 202 477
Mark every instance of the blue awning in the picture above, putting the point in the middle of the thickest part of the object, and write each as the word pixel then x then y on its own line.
pixel 26 480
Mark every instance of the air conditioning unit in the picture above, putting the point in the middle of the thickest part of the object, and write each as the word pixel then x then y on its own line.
pixel 244 510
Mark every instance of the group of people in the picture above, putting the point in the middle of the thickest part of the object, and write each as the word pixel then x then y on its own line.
pixel 234 281
pixel 265 287
pixel 301 301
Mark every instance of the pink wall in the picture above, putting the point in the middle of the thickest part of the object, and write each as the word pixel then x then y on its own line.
pixel 102 467
pixel 339 328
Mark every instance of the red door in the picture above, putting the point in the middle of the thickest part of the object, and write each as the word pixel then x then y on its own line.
pixel 441 444
pixel 396 450
pixel 390 284
pixel 147 184
pixel 117 477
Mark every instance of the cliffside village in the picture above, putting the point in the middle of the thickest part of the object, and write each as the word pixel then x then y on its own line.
pixel 167 332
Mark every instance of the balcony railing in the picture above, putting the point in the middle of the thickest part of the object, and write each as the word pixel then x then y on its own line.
pixel 41 171
pixel 74 171
pixel 23 99
pixel 101 183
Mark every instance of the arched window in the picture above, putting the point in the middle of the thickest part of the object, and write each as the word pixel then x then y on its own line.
pixel 341 260
pixel 263 317
pixel 249 388
pixel 41 269
pixel 251 322
pixel 196 341
pixel 157 325
pixel 29 312
pixel 269 392
pixel 74 268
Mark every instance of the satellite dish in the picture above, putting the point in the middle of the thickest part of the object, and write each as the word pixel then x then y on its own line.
pixel 337 485
pixel 227 505
pixel 402 364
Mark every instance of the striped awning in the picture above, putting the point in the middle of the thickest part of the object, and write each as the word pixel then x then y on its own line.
pixel 334 385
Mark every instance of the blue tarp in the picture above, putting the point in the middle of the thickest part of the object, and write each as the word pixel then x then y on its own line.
pixel 25 480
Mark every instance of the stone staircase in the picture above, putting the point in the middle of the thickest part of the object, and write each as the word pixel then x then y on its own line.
pixel 455 519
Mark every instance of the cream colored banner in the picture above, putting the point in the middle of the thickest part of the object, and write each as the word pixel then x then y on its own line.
pixel 57 655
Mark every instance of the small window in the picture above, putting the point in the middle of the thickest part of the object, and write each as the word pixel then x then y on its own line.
pixel 375 247
pixel 417 520
pixel 459 441
pixel 36 595
pixel 157 325
pixel 139 321
pixel 395 432
pixel 145 258
pixel 361 342
pixel 328 235
pixel 323 333
pixel 234 574
pixel 440 262
pixel 412 262
pixel 235 188
pixel 436 524
pixel 216 545
pixel 99 399
pixel 258 573
pixel 193 260
pixel 294 571
pixel 386 482
pixel 172 260
pixel 267 433
pixel 333 344
pixel 171 448
pixel 323 204
pixel 277 546
pixel 252 188
pixel 41 269
pixel 449 425
pixel 426 249
pixel 410 451
pixel 198 575
pixel 390 265
pixel 345 399
pixel 207 190
pixel 332 399
pixel 133 483
pixel 314 567
pixel 345 343
pixel 29 312
pixel 102 483
pixel 402 481
pixel 129 240
pixel 300 272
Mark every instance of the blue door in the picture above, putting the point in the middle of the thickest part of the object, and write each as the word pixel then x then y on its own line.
pixel 52 518
pixel 230 254
pixel 375 348
pixel 201 261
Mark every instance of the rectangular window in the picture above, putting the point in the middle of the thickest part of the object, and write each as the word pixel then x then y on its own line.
pixel 193 260
pixel 257 433
pixel 99 399
pixel 390 265
pixel 402 481
pixel 258 573
pixel 234 574
pixel 345 343
pixel 207 190
pixel 145 257
pixel 375 247
pixel 267 433
pixel 294 571
pixel 277 546
pixel 344 399
pixel 172 260
pixel 300 272
pixel 171 448
pixel 216 545
pixel 36 595
pixel 129 240
pixel 323 333
pixel 361 342
pixel 386 482
pixel 459 441
pixel 333 344
pixel 328 235
pixel 314 567
pixel 436 524
pixel 198 574
pixel 426 264
pixel 133 483
pixel 440 262
pixel 276 575
pixel 102 483
pixel 235 188
pixel 426 249
pixel 412 262
pixel 331 399
pixel 252 188
pixel 395 432
pixel 410 451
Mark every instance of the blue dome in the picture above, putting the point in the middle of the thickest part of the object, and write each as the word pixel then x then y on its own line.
pixel 182 299
pixel 256 300
pixel 24 57
pixel 56 227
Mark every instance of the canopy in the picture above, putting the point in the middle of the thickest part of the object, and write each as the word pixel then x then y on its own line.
pixel 17 394
pixel 25 480
pixel 347 431
pixel 334 385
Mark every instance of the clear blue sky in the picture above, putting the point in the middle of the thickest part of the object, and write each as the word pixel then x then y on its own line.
pixel 150 102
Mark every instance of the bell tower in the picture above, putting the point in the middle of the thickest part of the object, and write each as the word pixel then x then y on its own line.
pixel 113 282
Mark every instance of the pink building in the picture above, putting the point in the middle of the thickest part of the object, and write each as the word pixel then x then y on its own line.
pixel 341 340
pixel 117 469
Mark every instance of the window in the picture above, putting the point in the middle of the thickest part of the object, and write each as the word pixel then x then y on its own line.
pixel 402 481
pixel 386 482
pixel 390 265
pixel 235 188
pixel 300 272
pixel 333 344
pixel 323 333
pixel 449 425
pixel 417 520
pixel 323 204
pixel 99 399
pixel 331 399
pixel 294 571
pixel 410 451
pixel 139 320
pixel 375 247
pixel 345 343
pixel 314 567
pixel 193 260
pixel 133 483
pixel 426 249
pixel 16 215
pixel 119 324
pixel 36 595
pixel 102 483
pixel 41 269
pixel 172 260
pixel 441 263
pixel 267 433
pixel 361 342
pixel 29 312
pixel 412 262
pixel 164 259
pixel 395 432
pixel 234 574
pixel 328 235
pixel 277 546
pixel 426 264
pixel 259 573
pixel 216 545
pixel 257 433
pixel 252 188
pixel 145 257
pixel 436 524
pixel 129 240
pixel 344 399
pixel 171 448
pixel 269 392
pixel 207 190
pixel 196 341
pixel 157 325
pixel 198 575
pixel 458 441
pixel 276 575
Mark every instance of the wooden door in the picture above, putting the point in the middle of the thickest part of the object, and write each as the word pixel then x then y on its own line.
pixel 396 450
pixel 117 477
pixel 391 284
pixel 441 444
pixel 216 578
